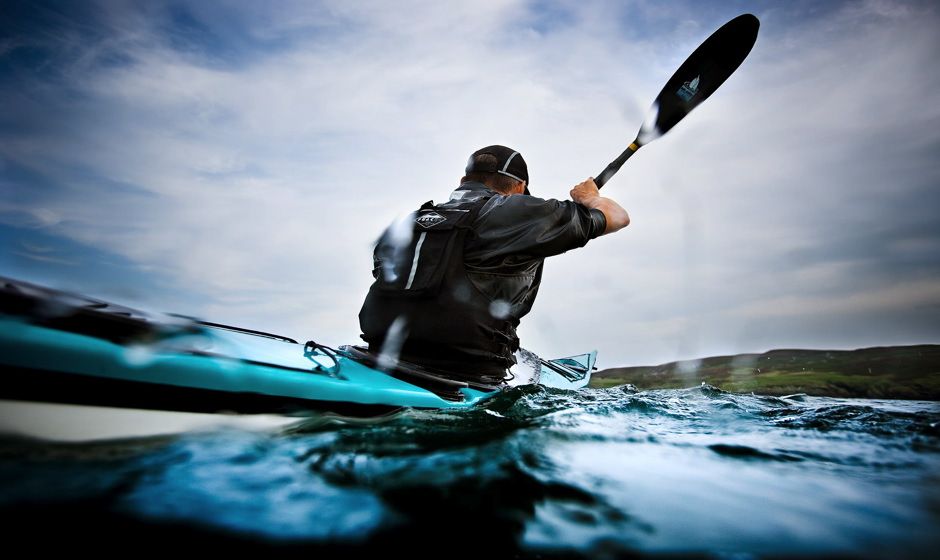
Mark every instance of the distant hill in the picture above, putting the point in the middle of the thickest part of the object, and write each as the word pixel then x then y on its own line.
pixel 895 372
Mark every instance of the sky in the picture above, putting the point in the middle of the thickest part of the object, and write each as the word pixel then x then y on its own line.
pixel 236 160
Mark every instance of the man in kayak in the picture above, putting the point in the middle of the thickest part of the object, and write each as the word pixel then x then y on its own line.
pixel 453 280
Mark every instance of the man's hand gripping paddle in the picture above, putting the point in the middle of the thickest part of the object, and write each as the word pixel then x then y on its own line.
pixel 698 77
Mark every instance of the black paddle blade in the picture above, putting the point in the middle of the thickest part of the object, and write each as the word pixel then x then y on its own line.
pixel 701 74
pixel 698 77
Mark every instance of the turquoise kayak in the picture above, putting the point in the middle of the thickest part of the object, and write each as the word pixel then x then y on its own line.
pixel 57 347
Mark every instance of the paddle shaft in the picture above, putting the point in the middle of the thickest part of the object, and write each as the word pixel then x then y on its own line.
pixel 615 165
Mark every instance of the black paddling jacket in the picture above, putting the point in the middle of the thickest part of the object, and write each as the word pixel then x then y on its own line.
pixel 453 280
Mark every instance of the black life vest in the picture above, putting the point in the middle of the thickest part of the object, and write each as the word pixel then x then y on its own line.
pixel 423 295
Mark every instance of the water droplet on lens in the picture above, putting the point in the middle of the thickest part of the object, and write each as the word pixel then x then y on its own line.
pixel 500 309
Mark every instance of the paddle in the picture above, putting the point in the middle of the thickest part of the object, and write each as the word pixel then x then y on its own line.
pixel 698 77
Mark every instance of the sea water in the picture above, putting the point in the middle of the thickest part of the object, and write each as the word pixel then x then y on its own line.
pixel 595 473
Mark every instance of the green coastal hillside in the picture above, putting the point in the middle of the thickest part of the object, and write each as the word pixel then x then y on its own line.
pixel 895 372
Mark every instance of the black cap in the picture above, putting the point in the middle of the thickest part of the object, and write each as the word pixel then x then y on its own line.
pixel 509 162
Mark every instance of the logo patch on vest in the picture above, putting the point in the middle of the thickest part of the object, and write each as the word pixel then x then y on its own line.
pixel 430 220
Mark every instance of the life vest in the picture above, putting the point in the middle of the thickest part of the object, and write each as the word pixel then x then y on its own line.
pixel 423 297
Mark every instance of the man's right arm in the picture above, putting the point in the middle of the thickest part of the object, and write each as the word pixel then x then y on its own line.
pixel 587 194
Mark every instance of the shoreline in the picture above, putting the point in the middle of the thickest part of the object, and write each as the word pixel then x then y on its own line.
pixel 891 372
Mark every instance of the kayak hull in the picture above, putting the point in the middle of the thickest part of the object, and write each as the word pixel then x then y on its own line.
pixel 195 368
pixel 84 423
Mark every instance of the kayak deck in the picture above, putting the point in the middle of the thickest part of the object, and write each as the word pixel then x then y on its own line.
pixel 66 349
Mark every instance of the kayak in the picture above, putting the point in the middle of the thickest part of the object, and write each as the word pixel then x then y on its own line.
pixel 64 354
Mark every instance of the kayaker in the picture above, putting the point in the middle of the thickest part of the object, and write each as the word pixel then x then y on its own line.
pixel 453 280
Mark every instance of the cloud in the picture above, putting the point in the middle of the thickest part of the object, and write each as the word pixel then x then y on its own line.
pixel 252 155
